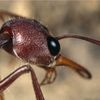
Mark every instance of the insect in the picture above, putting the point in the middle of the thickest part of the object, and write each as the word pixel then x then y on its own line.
pixel 32 42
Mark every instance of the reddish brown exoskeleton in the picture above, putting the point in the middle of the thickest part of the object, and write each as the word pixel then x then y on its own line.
pixel 31 41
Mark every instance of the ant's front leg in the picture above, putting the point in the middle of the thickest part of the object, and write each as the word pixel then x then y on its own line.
pixel 4 39
pixel 1 95
pixel 50 76
pixel 6 82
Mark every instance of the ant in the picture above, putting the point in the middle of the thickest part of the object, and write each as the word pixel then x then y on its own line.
pixel 32 42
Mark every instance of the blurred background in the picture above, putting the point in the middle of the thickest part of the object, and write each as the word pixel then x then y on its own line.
pixel 80 17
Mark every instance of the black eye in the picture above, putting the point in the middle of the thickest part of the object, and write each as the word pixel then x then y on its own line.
pixel 53 45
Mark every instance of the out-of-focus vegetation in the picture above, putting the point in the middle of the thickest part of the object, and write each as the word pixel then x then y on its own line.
pixel 61 17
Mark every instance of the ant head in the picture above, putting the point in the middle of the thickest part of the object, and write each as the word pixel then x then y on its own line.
pixel 54 48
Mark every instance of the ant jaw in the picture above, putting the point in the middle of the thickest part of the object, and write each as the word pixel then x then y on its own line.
pixel 73 65
pixel 60 60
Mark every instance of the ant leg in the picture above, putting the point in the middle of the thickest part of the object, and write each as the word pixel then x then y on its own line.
pixel 50 76
pixel 4 38
pixel 1 95
pixel 6 82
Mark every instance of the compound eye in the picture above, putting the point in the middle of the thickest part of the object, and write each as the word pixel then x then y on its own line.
pixel 53 45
